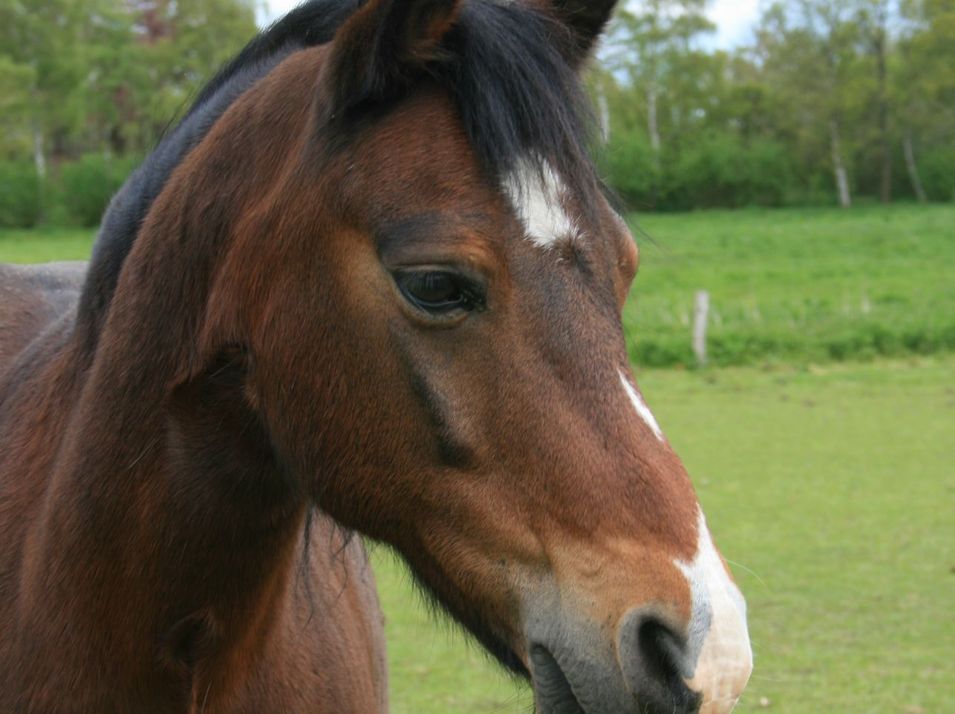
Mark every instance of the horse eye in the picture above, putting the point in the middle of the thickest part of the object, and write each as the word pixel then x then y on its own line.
pixel 438 291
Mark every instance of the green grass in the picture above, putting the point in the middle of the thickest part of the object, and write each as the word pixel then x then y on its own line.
pixel 48 244
pixel 835 489
pixel 796 285
pixel 830 484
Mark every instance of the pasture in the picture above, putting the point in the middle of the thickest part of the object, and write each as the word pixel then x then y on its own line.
pixel 828 484
pixel 796 286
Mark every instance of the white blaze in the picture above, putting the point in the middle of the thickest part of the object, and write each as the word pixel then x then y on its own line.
pixel 718 637
pixel 537 197
pixel 640 406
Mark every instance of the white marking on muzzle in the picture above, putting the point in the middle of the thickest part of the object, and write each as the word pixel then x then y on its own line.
pixel 718 640
pixel 537 199
pixel 640 406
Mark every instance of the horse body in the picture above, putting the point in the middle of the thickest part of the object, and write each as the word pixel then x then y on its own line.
pixel 369 283
pixel 248 619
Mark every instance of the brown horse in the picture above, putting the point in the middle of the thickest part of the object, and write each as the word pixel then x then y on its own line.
pixel 369 283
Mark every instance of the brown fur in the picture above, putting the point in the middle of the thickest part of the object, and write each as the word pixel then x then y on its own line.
pixel 207 620
pixel 258 358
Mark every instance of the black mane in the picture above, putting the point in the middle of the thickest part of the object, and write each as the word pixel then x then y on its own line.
pixel 509 69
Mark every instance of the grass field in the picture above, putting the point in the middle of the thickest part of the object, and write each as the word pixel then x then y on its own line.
pixel 796 285
pixel 830 486
pixel 40 246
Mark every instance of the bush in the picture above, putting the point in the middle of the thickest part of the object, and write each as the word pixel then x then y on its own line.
pixel 937 170
pixel 721 171
pixel 19 195
pixel 628 164
pixel 716 171
pixel 87 185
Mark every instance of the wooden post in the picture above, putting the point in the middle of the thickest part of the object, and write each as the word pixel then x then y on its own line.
pixel 701 313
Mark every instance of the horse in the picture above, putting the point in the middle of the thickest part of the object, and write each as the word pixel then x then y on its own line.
pixel 369 286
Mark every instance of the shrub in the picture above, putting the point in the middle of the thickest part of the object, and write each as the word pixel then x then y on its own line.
pixel 628 164
pixel 87 185
pixel 720 170
pixel 19 195
pixel 937 170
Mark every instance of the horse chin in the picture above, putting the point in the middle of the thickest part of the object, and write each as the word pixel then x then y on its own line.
pixel 553 693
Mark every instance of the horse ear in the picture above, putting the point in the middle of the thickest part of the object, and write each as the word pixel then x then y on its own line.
pixel 585 19
pixel 383 46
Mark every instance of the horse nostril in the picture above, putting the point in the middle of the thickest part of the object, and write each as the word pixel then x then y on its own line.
pixel 656 663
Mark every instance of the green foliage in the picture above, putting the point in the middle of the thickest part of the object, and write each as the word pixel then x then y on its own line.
pixel 825 86
pixel 15 82
pixel 715 170
pixel 938 174
pixel 719 170
pixel 87 185
pixel 629 166
pixel 689 127
pixel 90 75
pixel 19 195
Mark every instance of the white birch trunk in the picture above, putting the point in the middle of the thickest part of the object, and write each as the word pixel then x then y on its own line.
pixel 603 108
pixel 701 312
pixel 912 167
pixel 839 167
pixel 39 158
pixel 652 126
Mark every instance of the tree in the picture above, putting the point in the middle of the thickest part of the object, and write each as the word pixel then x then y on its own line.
pixel 874 18
pixel 110 73
pixel 647 47
pixel 924 84
pixel 809 50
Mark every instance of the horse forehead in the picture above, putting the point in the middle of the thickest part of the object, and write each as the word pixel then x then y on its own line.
pixel 549 211
pixel 539 198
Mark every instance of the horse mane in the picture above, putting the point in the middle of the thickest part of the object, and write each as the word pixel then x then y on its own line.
pixel 509 68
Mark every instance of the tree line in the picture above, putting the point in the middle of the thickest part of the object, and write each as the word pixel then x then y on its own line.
pixel 87 87
pixel 833 100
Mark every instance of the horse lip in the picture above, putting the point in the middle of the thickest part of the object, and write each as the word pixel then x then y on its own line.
pixel 552 689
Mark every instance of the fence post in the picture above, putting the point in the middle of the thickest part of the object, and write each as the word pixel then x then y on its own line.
pixel 701 313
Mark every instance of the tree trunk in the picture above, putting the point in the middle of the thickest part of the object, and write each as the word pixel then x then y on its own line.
pixel 603 109
pixel 885 188
pixel 39 159
pixel 912 167
pixel 838 166
pixel 652 127
pixel 882 99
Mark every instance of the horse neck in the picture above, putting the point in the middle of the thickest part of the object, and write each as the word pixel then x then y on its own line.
pixel 167 523
pixel 166 536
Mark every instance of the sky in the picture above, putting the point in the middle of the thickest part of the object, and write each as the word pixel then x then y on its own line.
pixel 733 18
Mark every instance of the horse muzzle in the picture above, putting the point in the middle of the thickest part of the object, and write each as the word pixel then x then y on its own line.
pixel 648 660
